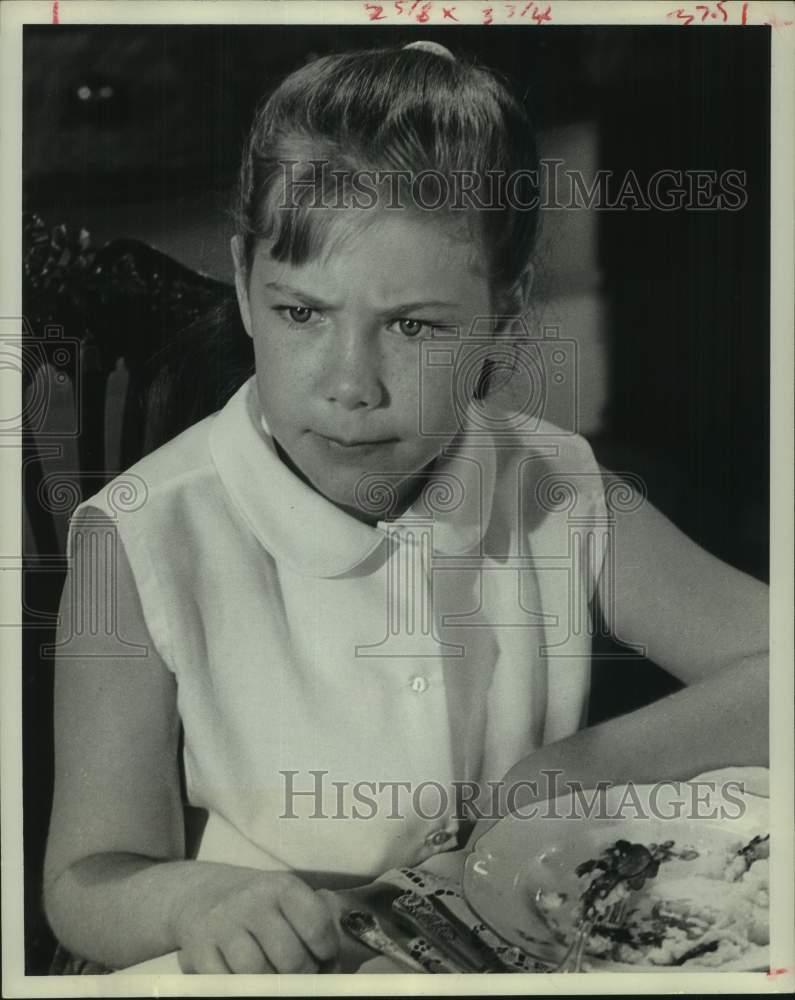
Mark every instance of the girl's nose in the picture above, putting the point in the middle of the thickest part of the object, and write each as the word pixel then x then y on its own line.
pixel 353 374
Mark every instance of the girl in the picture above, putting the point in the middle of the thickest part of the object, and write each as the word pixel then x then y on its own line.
pixel 355 588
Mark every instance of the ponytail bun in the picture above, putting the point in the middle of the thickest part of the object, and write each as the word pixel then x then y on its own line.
pixel 434 47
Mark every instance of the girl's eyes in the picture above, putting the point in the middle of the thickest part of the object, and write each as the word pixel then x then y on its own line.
pixel 302 315
pixel 295 316
pixel 411 327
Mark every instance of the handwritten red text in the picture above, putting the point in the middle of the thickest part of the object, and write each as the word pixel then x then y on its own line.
pixel 424 11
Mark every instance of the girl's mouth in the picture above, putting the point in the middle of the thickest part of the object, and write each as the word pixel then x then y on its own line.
pixel 363 446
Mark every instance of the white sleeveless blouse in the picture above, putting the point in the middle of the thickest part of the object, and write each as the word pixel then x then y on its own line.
pixel 335 680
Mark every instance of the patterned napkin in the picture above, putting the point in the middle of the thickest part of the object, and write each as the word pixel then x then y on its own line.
pixel 447 891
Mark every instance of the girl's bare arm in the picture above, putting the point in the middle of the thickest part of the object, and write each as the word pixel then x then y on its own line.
pixel 116 810
pixel 117 887
pixel 714 723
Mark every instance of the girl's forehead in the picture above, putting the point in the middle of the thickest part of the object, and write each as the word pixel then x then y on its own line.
pixel 392 247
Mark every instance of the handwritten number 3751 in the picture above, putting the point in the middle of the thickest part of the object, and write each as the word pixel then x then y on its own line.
pixel 687 17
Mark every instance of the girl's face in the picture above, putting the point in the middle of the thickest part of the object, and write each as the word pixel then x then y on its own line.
pixel 338 345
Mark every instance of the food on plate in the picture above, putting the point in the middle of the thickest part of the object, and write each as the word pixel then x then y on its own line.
pixel 707 908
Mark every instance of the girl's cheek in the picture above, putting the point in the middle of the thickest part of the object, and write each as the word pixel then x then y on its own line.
pixel 277 359
pixel 442 396
pixel 401 379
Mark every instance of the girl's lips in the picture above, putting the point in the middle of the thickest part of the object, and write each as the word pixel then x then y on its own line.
pixel 361 447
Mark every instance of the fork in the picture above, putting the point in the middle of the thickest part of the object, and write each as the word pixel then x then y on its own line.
pixel 612 919
pixel 365 927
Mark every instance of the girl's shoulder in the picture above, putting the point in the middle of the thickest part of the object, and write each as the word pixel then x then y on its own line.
pixel 187 452
pixel 538 462
pixel 520 431
pixel 163 470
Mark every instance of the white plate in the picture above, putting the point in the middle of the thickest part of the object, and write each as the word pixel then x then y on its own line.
pixel 520 855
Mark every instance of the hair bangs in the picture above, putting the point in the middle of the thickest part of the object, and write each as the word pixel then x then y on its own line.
pixel 387 112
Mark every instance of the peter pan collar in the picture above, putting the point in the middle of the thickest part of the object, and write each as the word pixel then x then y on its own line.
pixel 305 530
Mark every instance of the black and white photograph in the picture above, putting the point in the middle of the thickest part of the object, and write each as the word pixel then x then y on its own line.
pixel 397 419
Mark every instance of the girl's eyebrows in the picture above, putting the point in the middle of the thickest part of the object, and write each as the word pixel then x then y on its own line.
pixel 298 293
pixel 427 304
pixel 400 307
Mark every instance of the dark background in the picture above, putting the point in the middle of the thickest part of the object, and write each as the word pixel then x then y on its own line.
pixel 686 292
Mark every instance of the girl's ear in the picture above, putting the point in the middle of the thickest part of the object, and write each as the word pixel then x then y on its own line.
pixel 514 306
pixel 515 301
pixel 523 287
pixel 241 283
